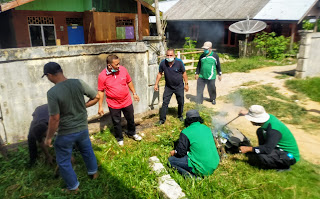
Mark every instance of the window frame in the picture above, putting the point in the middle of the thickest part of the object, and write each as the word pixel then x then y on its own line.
pixel 42 33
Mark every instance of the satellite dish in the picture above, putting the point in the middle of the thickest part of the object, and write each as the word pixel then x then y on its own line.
pixel 247 27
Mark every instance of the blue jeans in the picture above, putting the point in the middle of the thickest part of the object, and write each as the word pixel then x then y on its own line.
pixel 63 147
pixel 181 164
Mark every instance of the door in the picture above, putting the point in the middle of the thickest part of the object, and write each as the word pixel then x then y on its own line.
pixel 75 35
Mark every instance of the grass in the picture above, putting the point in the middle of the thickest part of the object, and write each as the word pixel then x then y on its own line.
pixel 309 87
pixel 275 103
pixel 124 172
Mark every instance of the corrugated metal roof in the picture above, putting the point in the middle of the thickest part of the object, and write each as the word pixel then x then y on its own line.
pixel 215 9
pixel 163 7
pixel 285 9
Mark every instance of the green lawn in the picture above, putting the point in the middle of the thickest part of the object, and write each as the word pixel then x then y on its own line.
pixel 124 172
pixel 309 87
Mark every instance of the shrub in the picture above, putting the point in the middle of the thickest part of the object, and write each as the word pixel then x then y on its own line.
pixel 275 47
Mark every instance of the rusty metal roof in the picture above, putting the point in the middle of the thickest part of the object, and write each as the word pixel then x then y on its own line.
pixel 215 9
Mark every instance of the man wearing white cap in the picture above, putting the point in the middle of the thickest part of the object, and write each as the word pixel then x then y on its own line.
pixel 277 148
pixel 206 72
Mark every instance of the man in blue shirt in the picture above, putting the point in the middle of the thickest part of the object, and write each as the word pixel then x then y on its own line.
pixel 175 74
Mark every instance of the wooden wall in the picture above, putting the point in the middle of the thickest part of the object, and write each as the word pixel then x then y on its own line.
pixel 104 25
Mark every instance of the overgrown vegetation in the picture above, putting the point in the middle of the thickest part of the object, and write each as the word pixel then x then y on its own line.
pixel 275 103
pixel 189 46
pixel 274 47
pixel 307 25
pixel 124 172
pixel 309 87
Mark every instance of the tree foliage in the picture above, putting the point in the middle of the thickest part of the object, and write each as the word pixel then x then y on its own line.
pixel 275 47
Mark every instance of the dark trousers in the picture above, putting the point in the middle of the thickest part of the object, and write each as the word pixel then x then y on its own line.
pixel 167 94
pixel 116 120
pixel 211 85
pixel 181 164
pixel 37 132
pixel 275 160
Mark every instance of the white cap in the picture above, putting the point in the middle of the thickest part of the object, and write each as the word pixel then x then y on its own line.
pixel 207 45
pixel 257 114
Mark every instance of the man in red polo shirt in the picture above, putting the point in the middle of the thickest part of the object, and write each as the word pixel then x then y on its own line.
pixel 115 81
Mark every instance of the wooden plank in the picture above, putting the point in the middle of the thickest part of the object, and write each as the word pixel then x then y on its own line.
pixel 13 4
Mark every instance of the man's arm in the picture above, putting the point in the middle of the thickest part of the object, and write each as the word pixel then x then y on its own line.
pixel 159 75
pixel 185 79
pixel 100 110
pixel 198 68
pixel 52 128
pixel 183 146
pixel 218 67
pixel 93 101
pixel 272 139
pixel 135 96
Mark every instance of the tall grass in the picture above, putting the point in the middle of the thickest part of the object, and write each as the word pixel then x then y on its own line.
pixel 124 172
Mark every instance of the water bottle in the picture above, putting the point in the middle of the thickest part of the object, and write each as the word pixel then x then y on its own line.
pixel 290 155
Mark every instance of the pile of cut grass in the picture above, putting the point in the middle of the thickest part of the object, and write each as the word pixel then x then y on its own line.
pixel 125 173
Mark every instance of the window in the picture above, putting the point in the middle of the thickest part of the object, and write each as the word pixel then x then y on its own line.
pixel 42 31
pixel 194 32
pixel 124 28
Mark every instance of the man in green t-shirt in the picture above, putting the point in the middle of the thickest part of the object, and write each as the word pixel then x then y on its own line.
pixel 196 152
pixel 207 70
pixel 277 148
pixel 67 110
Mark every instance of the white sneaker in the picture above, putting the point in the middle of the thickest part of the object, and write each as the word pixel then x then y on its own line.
pixel 120 143
pixel 137 137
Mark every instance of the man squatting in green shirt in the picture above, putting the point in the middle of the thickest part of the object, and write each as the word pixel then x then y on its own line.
pixel 196 153
pixel 277 148
pixel 206 72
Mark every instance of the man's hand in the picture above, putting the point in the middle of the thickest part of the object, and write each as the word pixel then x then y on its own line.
pixel 136 97
pixel 48 141
pixel 243 112
pixel 186 87
pixel 172 153
pixel 197 77
pixel 220 77
pixel 156 87
pixel 245 149
pixel 100 111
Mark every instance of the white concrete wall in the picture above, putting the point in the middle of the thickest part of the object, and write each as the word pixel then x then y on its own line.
pixel 22 89
pixel 308 57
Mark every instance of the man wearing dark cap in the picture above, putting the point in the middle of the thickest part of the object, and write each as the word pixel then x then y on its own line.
pixel 67 110
pixel 196 153
pixel 277 148
pixel 207 70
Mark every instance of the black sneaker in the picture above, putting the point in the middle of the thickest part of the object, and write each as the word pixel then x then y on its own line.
pixel 160 123
pixel 213 102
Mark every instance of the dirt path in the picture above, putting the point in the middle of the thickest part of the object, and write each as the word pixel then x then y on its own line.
pixel 309 144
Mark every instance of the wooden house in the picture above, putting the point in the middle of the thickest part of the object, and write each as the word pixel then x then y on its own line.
pixel 28 23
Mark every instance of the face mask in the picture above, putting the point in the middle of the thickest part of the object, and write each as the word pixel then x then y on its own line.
pixel 170 59
pixel 206 51
pixel 113 70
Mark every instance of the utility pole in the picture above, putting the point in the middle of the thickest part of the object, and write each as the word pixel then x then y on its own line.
pixel 158 21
